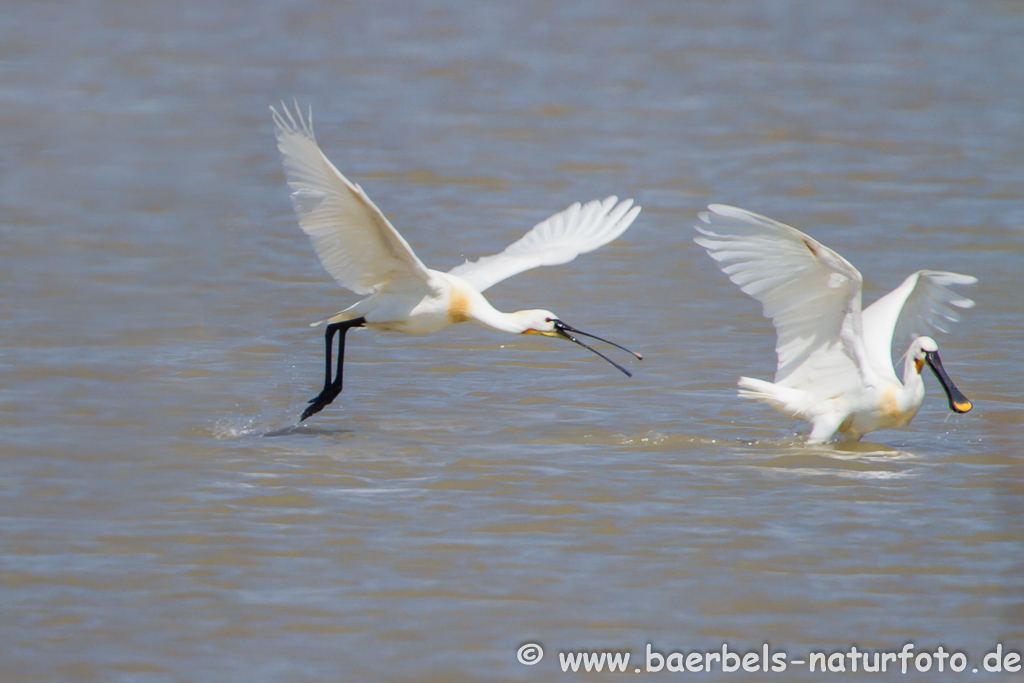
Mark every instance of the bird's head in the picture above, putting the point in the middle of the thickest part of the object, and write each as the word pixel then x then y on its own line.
pixel 920 349
pixel 546 323
pixel 539 321
pixel 924 351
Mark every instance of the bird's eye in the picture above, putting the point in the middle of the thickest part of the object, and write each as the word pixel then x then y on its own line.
pixel 547 320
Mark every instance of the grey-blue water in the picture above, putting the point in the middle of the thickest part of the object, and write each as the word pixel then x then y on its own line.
pixel 162 518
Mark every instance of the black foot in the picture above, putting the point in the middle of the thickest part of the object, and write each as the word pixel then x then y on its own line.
pixel 317 404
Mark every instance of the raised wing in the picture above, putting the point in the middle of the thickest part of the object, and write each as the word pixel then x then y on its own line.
pixel 921 306
pixel 558 239
pixel 811 293
pixel 355 242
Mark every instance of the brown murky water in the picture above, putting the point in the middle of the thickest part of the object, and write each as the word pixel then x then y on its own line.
pixel 162 518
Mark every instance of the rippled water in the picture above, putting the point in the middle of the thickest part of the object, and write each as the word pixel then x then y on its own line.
pixel 162 517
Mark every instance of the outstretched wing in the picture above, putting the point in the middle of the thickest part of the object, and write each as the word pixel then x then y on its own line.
pixel 355 242
pixel 921 306
pixel 559 239
pixel 811 293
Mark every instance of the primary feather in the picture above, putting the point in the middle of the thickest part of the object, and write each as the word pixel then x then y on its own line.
pixel 922 305
pixel 356 244
pixel 556 240
pixel 811 293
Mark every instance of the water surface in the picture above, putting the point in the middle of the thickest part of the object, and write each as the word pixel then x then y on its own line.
pixel 162 517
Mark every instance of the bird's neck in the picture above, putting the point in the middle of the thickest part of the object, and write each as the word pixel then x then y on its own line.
pixel 489 316
pixel 911 372
pixel 912 394
pixel 465 304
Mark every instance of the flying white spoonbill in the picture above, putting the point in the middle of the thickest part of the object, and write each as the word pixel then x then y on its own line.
pixel 835 365
pixel 360 248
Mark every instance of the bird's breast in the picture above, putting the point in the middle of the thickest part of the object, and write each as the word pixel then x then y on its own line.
pixel 888 403
pixel 891 411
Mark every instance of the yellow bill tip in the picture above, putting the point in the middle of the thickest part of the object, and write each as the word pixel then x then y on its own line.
pixel 962 406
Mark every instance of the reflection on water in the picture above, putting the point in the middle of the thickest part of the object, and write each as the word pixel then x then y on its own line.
pixel 165 518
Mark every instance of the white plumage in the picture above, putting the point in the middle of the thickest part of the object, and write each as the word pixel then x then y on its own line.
pixel 360 248
pixel 835 365
pixel 554 241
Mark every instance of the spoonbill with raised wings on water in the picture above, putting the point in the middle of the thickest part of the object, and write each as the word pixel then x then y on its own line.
pixel 360 248
pixel 835 365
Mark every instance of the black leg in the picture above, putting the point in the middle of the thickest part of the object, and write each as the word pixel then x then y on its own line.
pixel 331 387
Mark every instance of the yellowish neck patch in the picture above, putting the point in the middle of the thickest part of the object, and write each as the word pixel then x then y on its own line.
pixel 458 306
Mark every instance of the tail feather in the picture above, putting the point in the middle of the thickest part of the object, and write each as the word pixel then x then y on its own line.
pixel 798 404
pixel 356 310
pixel 786 400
